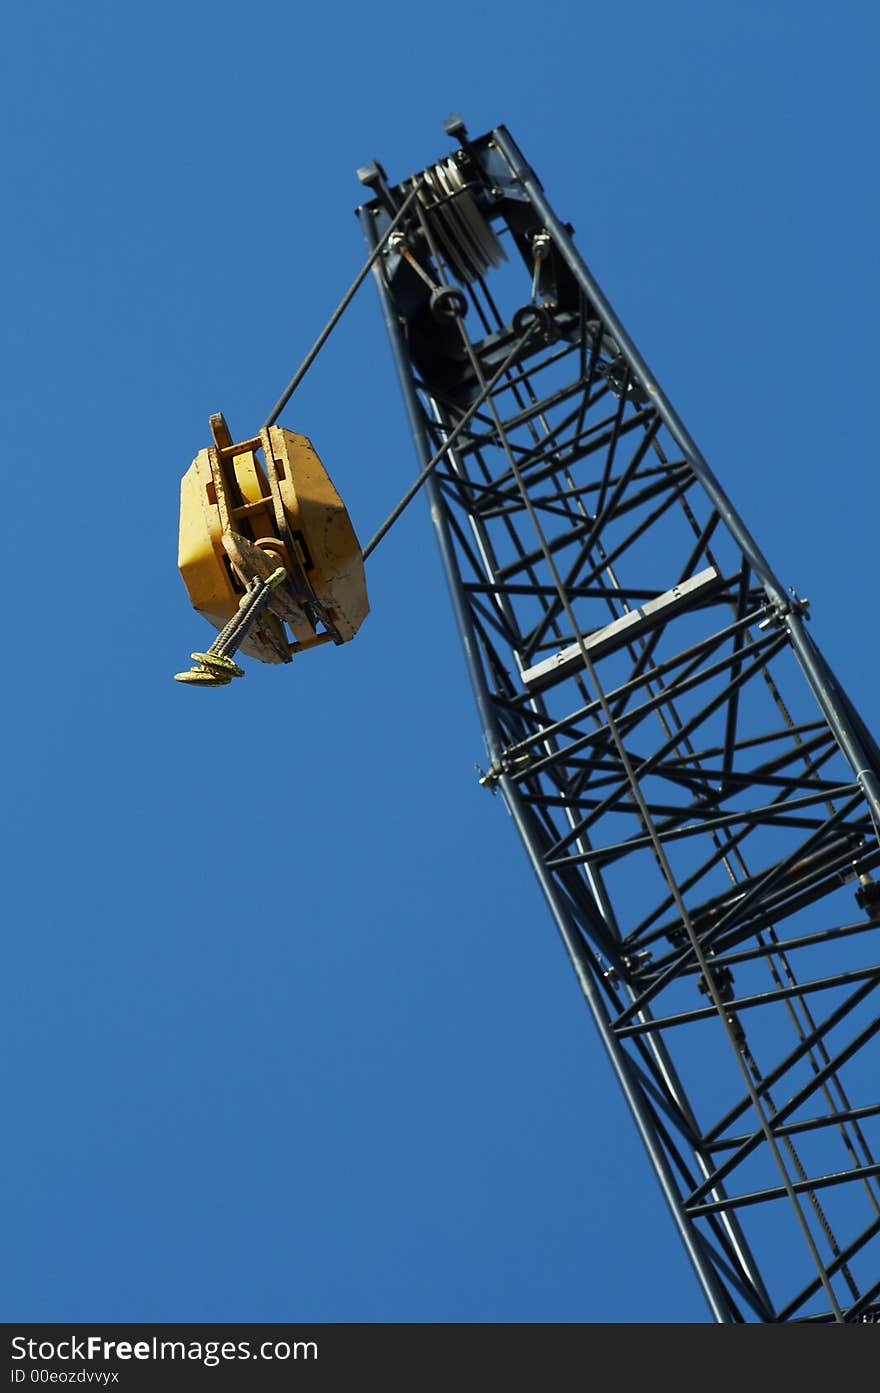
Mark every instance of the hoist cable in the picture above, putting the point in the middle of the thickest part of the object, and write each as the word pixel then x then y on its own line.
pixel 335 316
pixel 448 443
pixel 325 334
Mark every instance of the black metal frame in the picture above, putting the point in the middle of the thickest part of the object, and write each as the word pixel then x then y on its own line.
pixel 696 795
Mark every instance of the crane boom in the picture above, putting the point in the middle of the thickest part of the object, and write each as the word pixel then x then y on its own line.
pixel 696 794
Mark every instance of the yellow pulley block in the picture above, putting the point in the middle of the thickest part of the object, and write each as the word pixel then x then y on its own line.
pixel 248 508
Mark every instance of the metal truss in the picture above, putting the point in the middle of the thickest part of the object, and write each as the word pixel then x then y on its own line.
pixel 696 794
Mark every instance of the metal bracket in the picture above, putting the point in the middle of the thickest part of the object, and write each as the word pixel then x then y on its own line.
pixel 490 778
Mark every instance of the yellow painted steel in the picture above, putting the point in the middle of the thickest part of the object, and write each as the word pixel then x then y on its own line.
pixel 247 508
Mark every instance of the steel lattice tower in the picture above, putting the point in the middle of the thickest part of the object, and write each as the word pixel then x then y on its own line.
pixel 697 796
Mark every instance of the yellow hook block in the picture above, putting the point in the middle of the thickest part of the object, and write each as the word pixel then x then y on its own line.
pixel 247 508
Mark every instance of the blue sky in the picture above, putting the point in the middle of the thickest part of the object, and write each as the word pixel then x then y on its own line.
pixel 288 1033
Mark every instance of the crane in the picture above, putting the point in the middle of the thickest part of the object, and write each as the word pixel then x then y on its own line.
pixel 696 794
